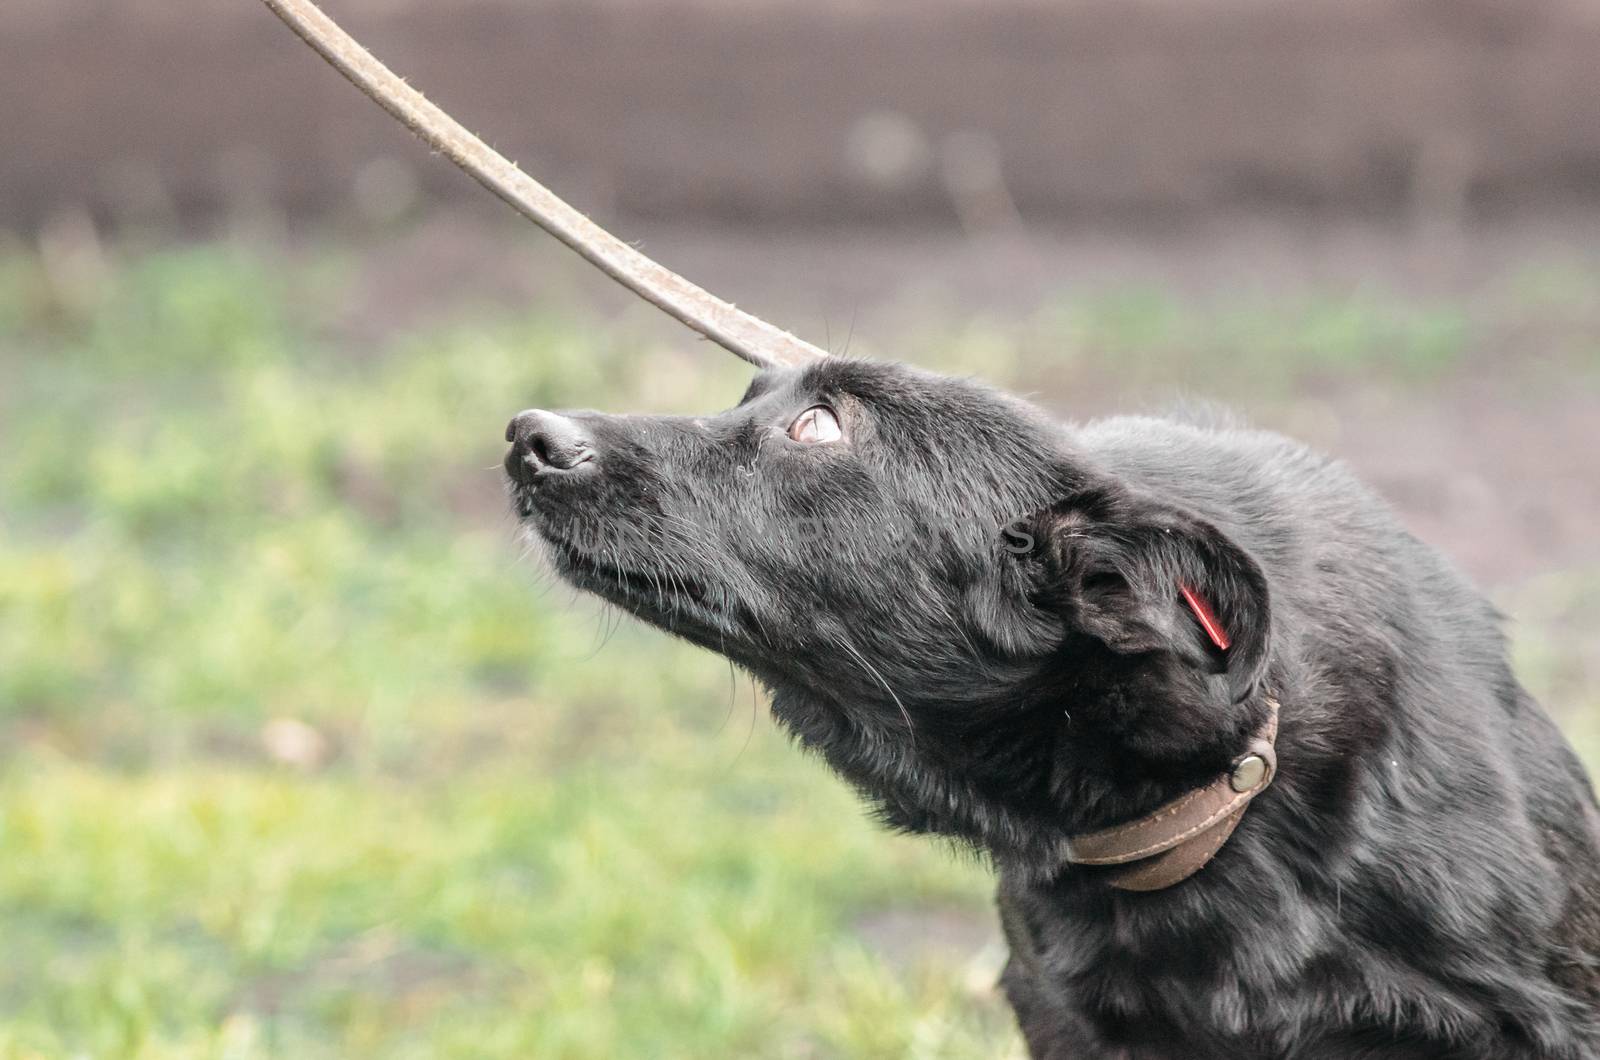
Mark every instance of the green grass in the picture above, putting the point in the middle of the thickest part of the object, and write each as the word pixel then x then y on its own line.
pixel 509 835
pixel 299 758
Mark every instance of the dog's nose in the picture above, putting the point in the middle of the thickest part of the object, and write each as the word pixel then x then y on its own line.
pixel 545 441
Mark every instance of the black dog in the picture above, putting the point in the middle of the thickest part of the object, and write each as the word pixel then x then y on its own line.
pixel 1022 635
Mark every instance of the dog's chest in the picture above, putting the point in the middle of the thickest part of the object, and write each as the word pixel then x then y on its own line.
pixel 1087 977
pixel 1098 983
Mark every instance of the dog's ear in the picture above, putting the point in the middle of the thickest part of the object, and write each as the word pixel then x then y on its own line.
pixel 1143 576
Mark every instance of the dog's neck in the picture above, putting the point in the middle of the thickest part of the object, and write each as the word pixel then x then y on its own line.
pixel 1017 779
pixel 1179 838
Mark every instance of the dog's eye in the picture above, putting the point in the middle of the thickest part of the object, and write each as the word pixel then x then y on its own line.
pixel 816 425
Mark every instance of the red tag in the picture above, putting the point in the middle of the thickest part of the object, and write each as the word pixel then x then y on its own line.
pixel 1208 621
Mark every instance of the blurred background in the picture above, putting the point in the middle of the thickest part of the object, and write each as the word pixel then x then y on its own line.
pixel 300 755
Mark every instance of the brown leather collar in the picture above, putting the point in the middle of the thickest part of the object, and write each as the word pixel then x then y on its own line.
pixel 1175 841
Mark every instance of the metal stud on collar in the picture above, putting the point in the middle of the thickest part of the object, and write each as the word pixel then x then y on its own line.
pixel 1248 773
pixel 1255 769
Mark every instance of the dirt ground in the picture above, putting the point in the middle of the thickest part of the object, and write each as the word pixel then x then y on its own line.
pixel 150 111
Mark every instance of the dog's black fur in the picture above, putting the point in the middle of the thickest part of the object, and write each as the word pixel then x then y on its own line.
pixel 973 614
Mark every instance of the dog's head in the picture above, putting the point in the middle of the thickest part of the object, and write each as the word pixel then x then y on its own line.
pixel 897 547
pixel 843 518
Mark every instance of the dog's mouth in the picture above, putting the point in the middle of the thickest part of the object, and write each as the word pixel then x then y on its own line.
pixel 631 581
pixel 521 499
pixel 618 561
pixel 676 599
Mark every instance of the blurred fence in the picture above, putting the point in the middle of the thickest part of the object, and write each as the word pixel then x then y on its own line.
pixel 798 112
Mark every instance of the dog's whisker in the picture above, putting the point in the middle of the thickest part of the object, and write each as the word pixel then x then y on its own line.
pixel 911 728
